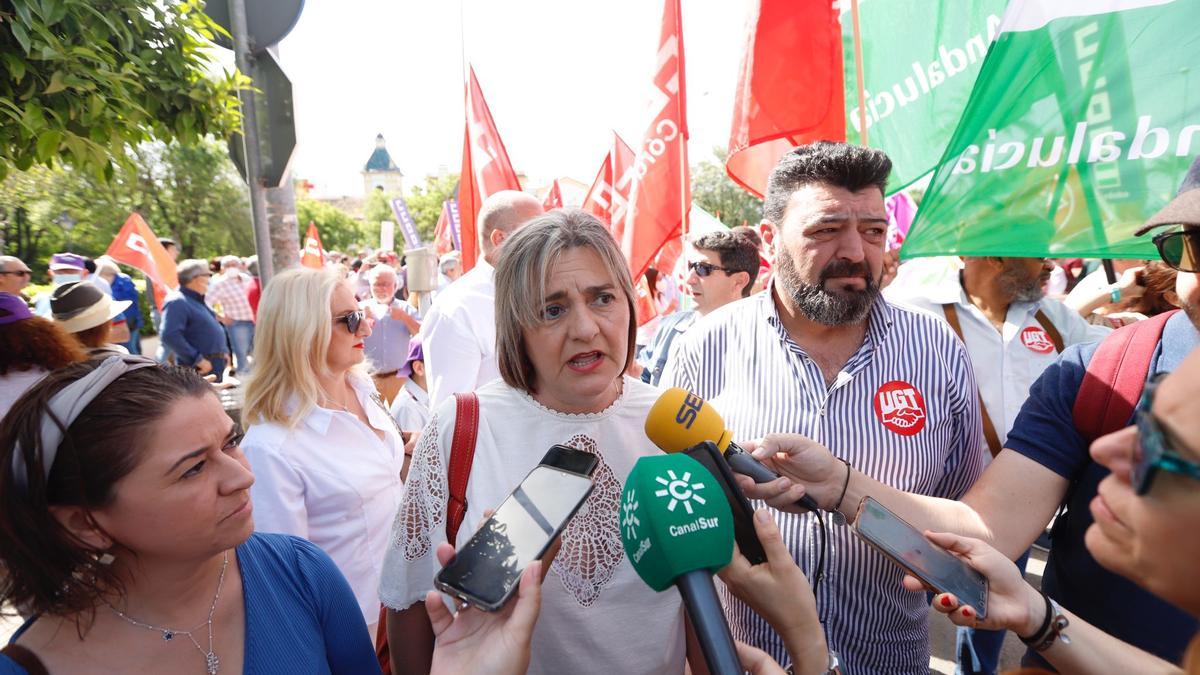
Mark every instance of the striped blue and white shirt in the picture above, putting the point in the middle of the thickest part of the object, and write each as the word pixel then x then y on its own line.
pixel 903 409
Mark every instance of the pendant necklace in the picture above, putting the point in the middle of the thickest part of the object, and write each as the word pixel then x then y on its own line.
pixel 211 662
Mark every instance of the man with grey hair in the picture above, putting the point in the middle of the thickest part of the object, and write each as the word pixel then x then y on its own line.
pixel 395 324
pixel 14 275
pixel 123 289
pixel 189 328
pixel 459 333
pixel 228 296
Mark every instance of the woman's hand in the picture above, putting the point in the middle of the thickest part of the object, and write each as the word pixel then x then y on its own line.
pixel 778 591
pixel 493 643
pixel 805 467
pixel 756 661
pixel 1012 604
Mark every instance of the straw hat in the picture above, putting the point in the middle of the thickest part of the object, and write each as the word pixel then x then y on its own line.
pixel 81 305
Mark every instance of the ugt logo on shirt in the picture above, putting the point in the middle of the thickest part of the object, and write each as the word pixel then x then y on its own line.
pixel 1036 339
pixel 900 407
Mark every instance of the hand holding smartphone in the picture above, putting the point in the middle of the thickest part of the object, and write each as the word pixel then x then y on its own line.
pixel 487 569
pixel 904 545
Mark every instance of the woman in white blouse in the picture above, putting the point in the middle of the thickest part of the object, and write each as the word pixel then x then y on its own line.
pixel 565 337
pixel 326 454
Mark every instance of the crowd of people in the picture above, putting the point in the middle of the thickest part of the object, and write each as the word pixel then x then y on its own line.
pixel 983 400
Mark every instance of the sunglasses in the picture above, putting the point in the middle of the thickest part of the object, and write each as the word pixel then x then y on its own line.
pixel 352 320
pixel 1155 453
pixel 703 269
pixel 1180 250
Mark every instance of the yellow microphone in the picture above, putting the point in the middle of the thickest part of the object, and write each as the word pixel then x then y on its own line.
pixel 680 419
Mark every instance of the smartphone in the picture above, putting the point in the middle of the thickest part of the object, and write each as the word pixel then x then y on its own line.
pixel 909 549
pixel 743 514
pixel 487 569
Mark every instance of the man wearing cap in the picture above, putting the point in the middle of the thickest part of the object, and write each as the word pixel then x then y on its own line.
pixel 228 296
pixel 64 268
pixel 87 312
pixel 410 408
pixel 1045 463
pixel 14 275
pixel 189 328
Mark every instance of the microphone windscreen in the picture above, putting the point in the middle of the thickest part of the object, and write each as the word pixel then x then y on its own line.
pixel 674 519
pixel 680 419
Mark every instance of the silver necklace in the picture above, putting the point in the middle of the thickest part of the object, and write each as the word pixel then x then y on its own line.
pixel 211 662
pixel 337 405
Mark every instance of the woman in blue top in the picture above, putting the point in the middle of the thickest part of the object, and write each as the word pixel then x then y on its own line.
pixel 126 536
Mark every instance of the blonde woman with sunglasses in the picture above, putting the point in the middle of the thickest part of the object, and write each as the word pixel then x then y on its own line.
pixel 327 456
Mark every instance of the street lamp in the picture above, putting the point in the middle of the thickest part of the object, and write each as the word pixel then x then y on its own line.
pixel 67 223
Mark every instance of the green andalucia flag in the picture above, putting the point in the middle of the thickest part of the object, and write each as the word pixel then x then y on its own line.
pixel 920 59
pixel 1084 118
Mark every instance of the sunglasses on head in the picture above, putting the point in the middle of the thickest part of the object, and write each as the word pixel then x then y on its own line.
pixel 352 320
pixel 1180 250
pixel 1154 452
pixel 703 269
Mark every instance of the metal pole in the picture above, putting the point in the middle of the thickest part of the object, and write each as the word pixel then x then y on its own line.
pixel 250 146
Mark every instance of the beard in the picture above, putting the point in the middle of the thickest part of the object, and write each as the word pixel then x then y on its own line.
pixel 830 308
pixel 1018 285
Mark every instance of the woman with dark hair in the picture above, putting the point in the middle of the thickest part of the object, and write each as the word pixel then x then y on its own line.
pixel 30 347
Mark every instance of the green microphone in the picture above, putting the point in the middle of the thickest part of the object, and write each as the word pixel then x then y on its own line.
pixel 677 529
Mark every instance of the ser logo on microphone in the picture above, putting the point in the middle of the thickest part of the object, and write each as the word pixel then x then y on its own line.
pixel 688 410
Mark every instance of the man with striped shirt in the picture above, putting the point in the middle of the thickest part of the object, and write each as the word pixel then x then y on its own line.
pixel 888 390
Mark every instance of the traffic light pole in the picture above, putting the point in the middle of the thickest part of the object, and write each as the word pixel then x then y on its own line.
pixel 258 199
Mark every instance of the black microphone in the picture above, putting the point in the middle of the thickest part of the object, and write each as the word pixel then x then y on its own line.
pixel 680 420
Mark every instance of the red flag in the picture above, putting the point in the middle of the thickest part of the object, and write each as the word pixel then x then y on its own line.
pixel 553 197
pixel 313 254
pixel 660 196
pixel 608 198
pixel 790 89
pixel 485 168
pixel 135 245
pixel 443 235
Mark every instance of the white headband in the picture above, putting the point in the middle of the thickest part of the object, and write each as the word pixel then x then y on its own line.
pixel 66 405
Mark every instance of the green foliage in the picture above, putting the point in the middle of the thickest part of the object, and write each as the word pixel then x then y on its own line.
pixel 339 230
pixel 716 193
pixel 425 202
pixel 82 79
pixel 377 209
pixel 189 193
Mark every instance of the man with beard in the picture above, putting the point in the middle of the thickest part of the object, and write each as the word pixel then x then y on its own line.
pixel 1045 463
pixel 1012 332
pixel 888 389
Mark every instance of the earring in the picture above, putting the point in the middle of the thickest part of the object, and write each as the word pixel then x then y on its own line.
pixel 106 559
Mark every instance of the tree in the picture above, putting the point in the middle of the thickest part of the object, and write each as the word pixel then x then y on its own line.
pixel 339 230
pixel 82 79
pixel 713 190
pixel 425 202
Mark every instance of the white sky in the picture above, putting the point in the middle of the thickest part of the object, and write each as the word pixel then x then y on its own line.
pixel 557 74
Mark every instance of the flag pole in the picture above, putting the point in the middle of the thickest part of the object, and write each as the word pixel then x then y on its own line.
pixel 858 74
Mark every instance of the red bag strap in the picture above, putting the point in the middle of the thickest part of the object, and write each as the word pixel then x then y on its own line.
pixel 1115 377
pixel 462 455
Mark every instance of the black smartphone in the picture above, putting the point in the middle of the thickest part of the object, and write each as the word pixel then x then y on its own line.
pixel 487 569
pixel 909 549
pixel 743 514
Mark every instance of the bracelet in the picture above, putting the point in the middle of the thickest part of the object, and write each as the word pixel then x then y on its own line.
pixel 845 484
pixel 1051 629
pixel 1114 293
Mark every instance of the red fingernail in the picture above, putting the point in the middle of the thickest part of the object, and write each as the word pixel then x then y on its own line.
pixel 967 611
pixel 946 601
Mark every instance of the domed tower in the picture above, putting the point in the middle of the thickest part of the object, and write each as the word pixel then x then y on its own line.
pixel 380 172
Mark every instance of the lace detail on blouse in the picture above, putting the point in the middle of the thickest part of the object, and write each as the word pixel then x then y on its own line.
pixel 591 543
pixel 424 505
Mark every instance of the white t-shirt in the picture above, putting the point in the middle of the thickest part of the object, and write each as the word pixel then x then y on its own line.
pixel 410 408
pixel 332 481
pixel 597 615
pixel 15 384
pixel 459 335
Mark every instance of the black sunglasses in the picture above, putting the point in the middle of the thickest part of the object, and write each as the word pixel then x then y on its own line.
pixel 703 269
pixel 1180 250
pixel 352 320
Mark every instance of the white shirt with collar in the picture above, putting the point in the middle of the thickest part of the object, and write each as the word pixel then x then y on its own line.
pixel 410 408
pixel 459 335
pixel 1005 362
pixel 331 480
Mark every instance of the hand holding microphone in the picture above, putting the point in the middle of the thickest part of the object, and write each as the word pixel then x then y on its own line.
pixel 680 420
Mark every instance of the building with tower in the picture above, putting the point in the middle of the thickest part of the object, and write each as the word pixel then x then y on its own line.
pixel 380 172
